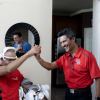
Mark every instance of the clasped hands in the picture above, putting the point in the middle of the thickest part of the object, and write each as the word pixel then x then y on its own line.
pixel 34 50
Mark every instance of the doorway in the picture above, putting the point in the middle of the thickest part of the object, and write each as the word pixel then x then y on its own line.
pixel 68 16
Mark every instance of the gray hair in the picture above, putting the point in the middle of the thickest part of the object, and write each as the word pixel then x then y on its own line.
pixel 10 50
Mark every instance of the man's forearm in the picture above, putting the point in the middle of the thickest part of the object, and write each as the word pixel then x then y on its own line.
pixel 44 64
pixel 13 65
pixel 47 65
pixel 97 84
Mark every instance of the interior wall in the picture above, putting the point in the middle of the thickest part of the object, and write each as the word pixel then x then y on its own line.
pixel 38 13
pixel 85 21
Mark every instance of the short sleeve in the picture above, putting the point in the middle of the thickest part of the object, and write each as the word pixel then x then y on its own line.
pixel 60 62
pixel 93 67
pixel 21 77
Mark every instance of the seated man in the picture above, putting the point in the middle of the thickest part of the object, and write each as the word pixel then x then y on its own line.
pixel 20 45
pixel 10 83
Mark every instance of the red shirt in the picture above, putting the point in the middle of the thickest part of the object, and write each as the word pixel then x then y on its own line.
pixel 9 84
pixel 80 70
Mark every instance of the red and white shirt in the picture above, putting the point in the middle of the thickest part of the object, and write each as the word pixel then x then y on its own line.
pixel 9 84
pixel 80 70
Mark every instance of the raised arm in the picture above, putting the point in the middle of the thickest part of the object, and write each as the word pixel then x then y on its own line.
pixel 15 64
pixel 46 65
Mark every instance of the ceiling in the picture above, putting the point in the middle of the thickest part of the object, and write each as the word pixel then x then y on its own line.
pixel 67 7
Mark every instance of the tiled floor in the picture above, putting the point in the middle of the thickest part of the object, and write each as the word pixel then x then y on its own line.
pixel 58 93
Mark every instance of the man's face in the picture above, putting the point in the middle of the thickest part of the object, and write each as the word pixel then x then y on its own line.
pixel 66 43
pixel 17 39
pixel 8 60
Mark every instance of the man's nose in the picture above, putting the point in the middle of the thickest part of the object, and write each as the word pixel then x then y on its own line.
pixel 9 62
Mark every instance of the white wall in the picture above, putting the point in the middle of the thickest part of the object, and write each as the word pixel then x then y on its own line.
pixel 38 13
pixel 88 39
pixel 96 36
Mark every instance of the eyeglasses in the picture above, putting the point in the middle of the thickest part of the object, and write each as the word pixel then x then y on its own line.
pixel 6 59
pixel 15 38
pixel 9 58
pixel 72 64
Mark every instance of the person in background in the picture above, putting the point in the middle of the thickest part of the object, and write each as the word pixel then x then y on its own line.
pixel 79 66
pixel 20 45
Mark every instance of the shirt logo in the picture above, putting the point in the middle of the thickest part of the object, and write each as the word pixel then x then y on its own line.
pixel 15 78
pixel 78 61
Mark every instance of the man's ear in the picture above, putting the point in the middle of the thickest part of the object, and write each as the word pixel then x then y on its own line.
pixel 73 38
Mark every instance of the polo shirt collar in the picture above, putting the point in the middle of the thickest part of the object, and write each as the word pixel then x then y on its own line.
pixel 78 53
pixel 68 54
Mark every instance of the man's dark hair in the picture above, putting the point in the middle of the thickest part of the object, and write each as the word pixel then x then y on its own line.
pixel 68 32
pixel 17 33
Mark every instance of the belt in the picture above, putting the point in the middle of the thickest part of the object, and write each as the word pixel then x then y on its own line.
pixel 87 89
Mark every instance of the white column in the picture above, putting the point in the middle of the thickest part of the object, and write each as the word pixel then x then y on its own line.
pixel 96 36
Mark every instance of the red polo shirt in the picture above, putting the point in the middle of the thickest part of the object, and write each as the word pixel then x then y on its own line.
pixel 80 70
pixel 9 84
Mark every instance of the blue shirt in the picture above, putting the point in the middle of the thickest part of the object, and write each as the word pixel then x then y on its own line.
pixel 26 46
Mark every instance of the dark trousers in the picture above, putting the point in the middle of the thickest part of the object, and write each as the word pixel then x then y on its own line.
pixel 79 94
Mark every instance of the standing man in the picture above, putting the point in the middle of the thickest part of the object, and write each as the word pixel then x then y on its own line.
pixel 20 45
pixel 79 66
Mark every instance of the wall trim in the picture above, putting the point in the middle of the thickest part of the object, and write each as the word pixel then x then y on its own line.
pixel 75 13
pixel 81 11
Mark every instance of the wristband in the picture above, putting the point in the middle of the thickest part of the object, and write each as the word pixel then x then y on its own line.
pixel 40 60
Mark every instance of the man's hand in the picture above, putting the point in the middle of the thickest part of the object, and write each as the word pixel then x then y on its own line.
pixel 37 56
pixel 34 50
pixel 20 48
